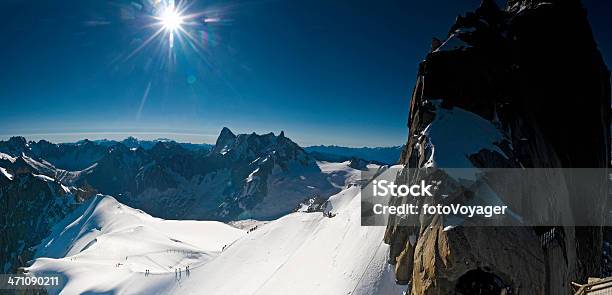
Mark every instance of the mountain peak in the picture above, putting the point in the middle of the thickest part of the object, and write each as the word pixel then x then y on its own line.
pixel 253 145
pixel 226 133
pixel 225 139
pixel 130 140
pixel 226 130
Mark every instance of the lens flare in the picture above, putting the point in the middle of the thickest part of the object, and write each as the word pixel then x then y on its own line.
pixel 171 20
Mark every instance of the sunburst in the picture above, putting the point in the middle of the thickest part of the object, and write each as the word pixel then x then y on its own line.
pixel 171 20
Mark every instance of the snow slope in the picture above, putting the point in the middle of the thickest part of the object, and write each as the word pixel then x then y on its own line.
pixel 300 253
pixel 87 248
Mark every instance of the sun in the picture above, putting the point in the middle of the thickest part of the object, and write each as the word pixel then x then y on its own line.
pixel 171 19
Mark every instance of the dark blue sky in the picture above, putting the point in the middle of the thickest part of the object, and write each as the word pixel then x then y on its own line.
pixel 327 72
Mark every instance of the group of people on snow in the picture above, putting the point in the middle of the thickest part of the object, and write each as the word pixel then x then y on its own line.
pixel 178 272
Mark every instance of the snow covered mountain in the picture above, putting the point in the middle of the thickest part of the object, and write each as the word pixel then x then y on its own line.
pixel 241 176
pixel 70 157
pixel 107 248
pixel 270 174
pixel 82 154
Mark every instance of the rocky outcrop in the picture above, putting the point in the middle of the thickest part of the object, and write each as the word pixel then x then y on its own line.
pixel 31 205
pixel 533 73
pixel 267 172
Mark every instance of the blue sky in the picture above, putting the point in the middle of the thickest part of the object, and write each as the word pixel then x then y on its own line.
pixel 327 72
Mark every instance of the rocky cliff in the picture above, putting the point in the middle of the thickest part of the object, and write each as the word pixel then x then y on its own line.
pixel 533 73
pixel 31 204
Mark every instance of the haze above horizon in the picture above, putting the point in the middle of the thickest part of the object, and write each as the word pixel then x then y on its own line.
pixel 193 138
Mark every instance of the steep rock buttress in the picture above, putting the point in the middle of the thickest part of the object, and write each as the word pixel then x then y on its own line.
pixel 534 72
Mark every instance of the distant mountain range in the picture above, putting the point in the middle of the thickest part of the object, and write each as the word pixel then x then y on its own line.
pixel 79 155
pixel 132 142
pixel 386 155
pixel 240 176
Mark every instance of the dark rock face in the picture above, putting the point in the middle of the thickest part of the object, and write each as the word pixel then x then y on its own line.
pixel 533 71
pixel 31 205
pixel 260 166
